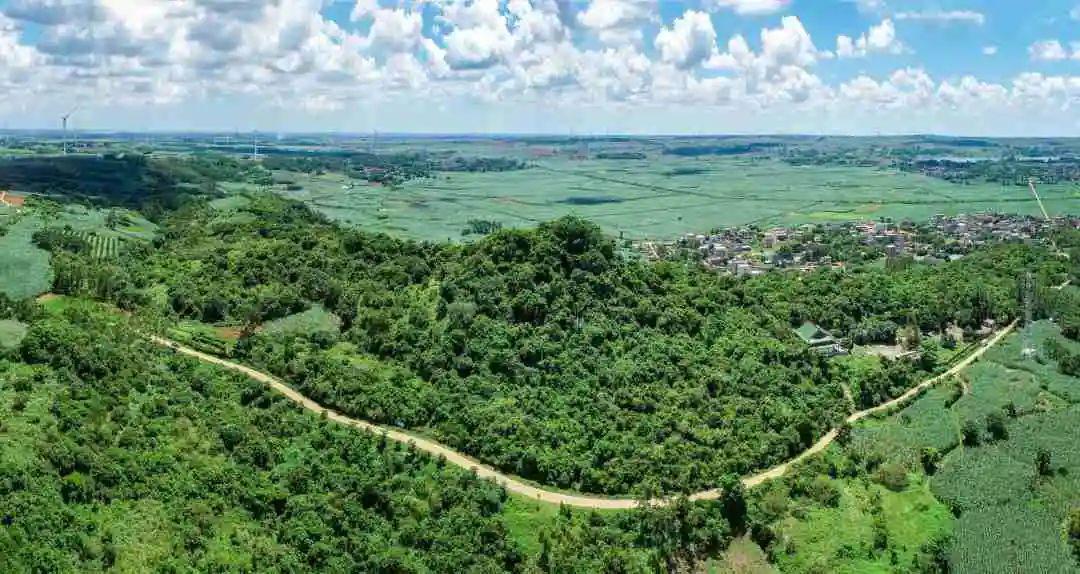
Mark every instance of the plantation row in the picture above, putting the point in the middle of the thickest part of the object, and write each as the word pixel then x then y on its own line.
pixel 101 246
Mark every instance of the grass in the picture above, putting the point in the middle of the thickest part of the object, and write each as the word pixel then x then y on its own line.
pixel 11 333
pixel 206 338
pixel 314 320
pixel 524 519
pixel 658 197
pixel 24 268
pixel 56 304
pixel 742 556
pixel 841 539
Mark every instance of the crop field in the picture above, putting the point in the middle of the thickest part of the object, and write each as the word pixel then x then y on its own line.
pixel 659 197
pixel 25 270
pixel 314 320
pixel 926 422
pixel 1009 514
pixel 1009 518
pixel 101 246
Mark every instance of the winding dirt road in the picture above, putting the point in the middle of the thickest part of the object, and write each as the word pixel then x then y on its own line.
pixel 517 486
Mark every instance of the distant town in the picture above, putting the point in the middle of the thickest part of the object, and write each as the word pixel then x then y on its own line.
pixel 753 250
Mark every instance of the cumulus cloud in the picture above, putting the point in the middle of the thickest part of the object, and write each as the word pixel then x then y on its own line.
pixel 989 50
pixel 289 53
pixel 618 22
pixel 688 42
pixel 944 17
pixel 479 37
pixel 880 38
pixel 750 6
pixel 393 30
pixel 1047 50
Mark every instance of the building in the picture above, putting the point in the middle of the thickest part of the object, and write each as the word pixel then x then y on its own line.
pixel 820 340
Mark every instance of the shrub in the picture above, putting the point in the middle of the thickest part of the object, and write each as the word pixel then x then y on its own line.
pixel 893 475
pixel 970 433
pixel 995 426
pixel 930 457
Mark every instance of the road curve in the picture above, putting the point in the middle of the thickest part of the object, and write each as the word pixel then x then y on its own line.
pixel 554 497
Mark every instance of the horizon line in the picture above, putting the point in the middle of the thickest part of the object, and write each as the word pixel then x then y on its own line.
pixel 520 134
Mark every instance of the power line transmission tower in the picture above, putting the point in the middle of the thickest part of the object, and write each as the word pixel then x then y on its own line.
pixel 1028 296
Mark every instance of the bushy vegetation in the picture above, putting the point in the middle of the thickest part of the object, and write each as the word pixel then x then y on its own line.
pixel 544 352
pixel 122 456
pixel 154 186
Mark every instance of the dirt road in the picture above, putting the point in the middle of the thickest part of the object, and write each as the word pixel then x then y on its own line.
pixel 520 487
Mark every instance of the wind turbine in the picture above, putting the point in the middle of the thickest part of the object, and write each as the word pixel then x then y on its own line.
pixel 63 123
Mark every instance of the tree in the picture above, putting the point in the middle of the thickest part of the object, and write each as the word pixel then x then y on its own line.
pixel 996 426
pixel 734 502
pixel 930 457
pixel 893 475
pixel 970 433
pixel 1042 462
pixel 1073 530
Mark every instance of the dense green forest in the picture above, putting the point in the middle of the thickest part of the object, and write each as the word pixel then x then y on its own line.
pixel 544 352
pixel 121 456
pixel 153 185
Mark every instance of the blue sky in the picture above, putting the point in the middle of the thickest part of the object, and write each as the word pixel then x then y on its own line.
pixel 981 67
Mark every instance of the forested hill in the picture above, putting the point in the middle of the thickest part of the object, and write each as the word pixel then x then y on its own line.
pixel 543 351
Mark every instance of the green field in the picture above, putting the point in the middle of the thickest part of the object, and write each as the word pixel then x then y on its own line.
pixel 1008 518
pixel 659 197
pixel 841 539
pixel 316 319
pixel 24 268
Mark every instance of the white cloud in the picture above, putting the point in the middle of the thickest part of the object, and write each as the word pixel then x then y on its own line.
pixel 688 42
pixel 618 22
pixel 1047 50
pixel 394 30
pixel 750 6
pixel 479 38
pixel 989 50
pixel 945 17
pixel 513 52
pixel 1075 12
pixel 869 6
pixel 880 38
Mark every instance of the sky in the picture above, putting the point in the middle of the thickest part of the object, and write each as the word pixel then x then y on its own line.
pixel 861 67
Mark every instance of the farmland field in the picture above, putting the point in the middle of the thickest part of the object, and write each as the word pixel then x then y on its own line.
pixel 658 197
pixel 1007 517
pixel 315 319
pixel 24 268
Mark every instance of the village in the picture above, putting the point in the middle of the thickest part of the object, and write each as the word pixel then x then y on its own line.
pixel 753 250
